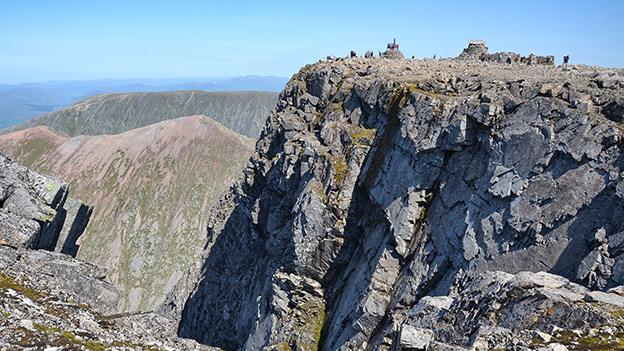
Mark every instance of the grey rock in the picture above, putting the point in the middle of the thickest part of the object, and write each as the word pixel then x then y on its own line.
pixel 36 211
pixel 506 182
pixel 51 299
pixel 553 347
pixel 614 110
pixel 609 80
pixel 413 338
pixel 476 178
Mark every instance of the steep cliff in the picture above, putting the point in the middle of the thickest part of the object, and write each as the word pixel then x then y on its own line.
pixel 384 188
pixel 150 189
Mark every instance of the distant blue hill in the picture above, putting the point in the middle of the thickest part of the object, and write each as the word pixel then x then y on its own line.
pixel 21 102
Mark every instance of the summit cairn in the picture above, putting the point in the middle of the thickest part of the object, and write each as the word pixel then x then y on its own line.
pixel 393 51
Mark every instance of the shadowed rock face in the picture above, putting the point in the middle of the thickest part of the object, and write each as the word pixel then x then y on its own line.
pixel 150 189
pixel 242 112
pixel 379 182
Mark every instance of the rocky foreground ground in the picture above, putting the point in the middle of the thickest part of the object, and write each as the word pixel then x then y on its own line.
pixel 390 205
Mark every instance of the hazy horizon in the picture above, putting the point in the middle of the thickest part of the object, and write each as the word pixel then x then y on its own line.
pixel 68 40
pixel 146 80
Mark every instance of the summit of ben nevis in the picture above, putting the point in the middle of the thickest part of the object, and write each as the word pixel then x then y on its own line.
pixel 468 203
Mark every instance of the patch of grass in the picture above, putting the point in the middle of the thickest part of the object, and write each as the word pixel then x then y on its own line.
pixel 32 151
pixel 69 338
pixel 7 282
pixel 341 168
pixel 319 325
pixel 314 317
pixel 48 217
pixel 317 118
pixel 422 215
pixel 50 186
pixel 617 313
pixel 92 345
pixel 317 188
pixel 45 329
pixel 337 106
pixel 601 342
pixel 363 136
pixel 282 346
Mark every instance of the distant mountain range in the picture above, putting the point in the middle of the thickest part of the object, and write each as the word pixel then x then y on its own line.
pixel 23 101
pixel 242 112
pixel 151 189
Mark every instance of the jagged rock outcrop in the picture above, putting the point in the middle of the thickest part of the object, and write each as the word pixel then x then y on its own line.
pixel 523 311
pixel 36 212
pixel 380 184
pixel 474 50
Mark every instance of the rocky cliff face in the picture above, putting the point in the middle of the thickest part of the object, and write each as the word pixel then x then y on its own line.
pixel 150 189
pixel 36 212
pixel 399 204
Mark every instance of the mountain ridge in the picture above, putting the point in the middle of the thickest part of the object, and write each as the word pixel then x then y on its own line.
pixel 113 113
pixel 401 205
pixel 19 102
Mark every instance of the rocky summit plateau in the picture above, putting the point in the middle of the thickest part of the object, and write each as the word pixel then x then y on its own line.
pixel 390 204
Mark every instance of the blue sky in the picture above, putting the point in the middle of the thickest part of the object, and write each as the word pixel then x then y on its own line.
pixel 43 40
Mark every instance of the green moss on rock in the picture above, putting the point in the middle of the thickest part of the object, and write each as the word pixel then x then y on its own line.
pixel 7 282
pixel 363 136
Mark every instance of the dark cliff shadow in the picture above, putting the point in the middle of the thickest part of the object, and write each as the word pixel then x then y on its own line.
pixel 83 215
pixel 50 230
pixel 236 277
pixel 345 284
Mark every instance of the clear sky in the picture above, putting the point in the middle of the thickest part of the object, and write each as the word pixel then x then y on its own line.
pixel 43 40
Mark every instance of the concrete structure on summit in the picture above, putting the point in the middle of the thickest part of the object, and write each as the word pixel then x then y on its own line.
pixel 477 50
